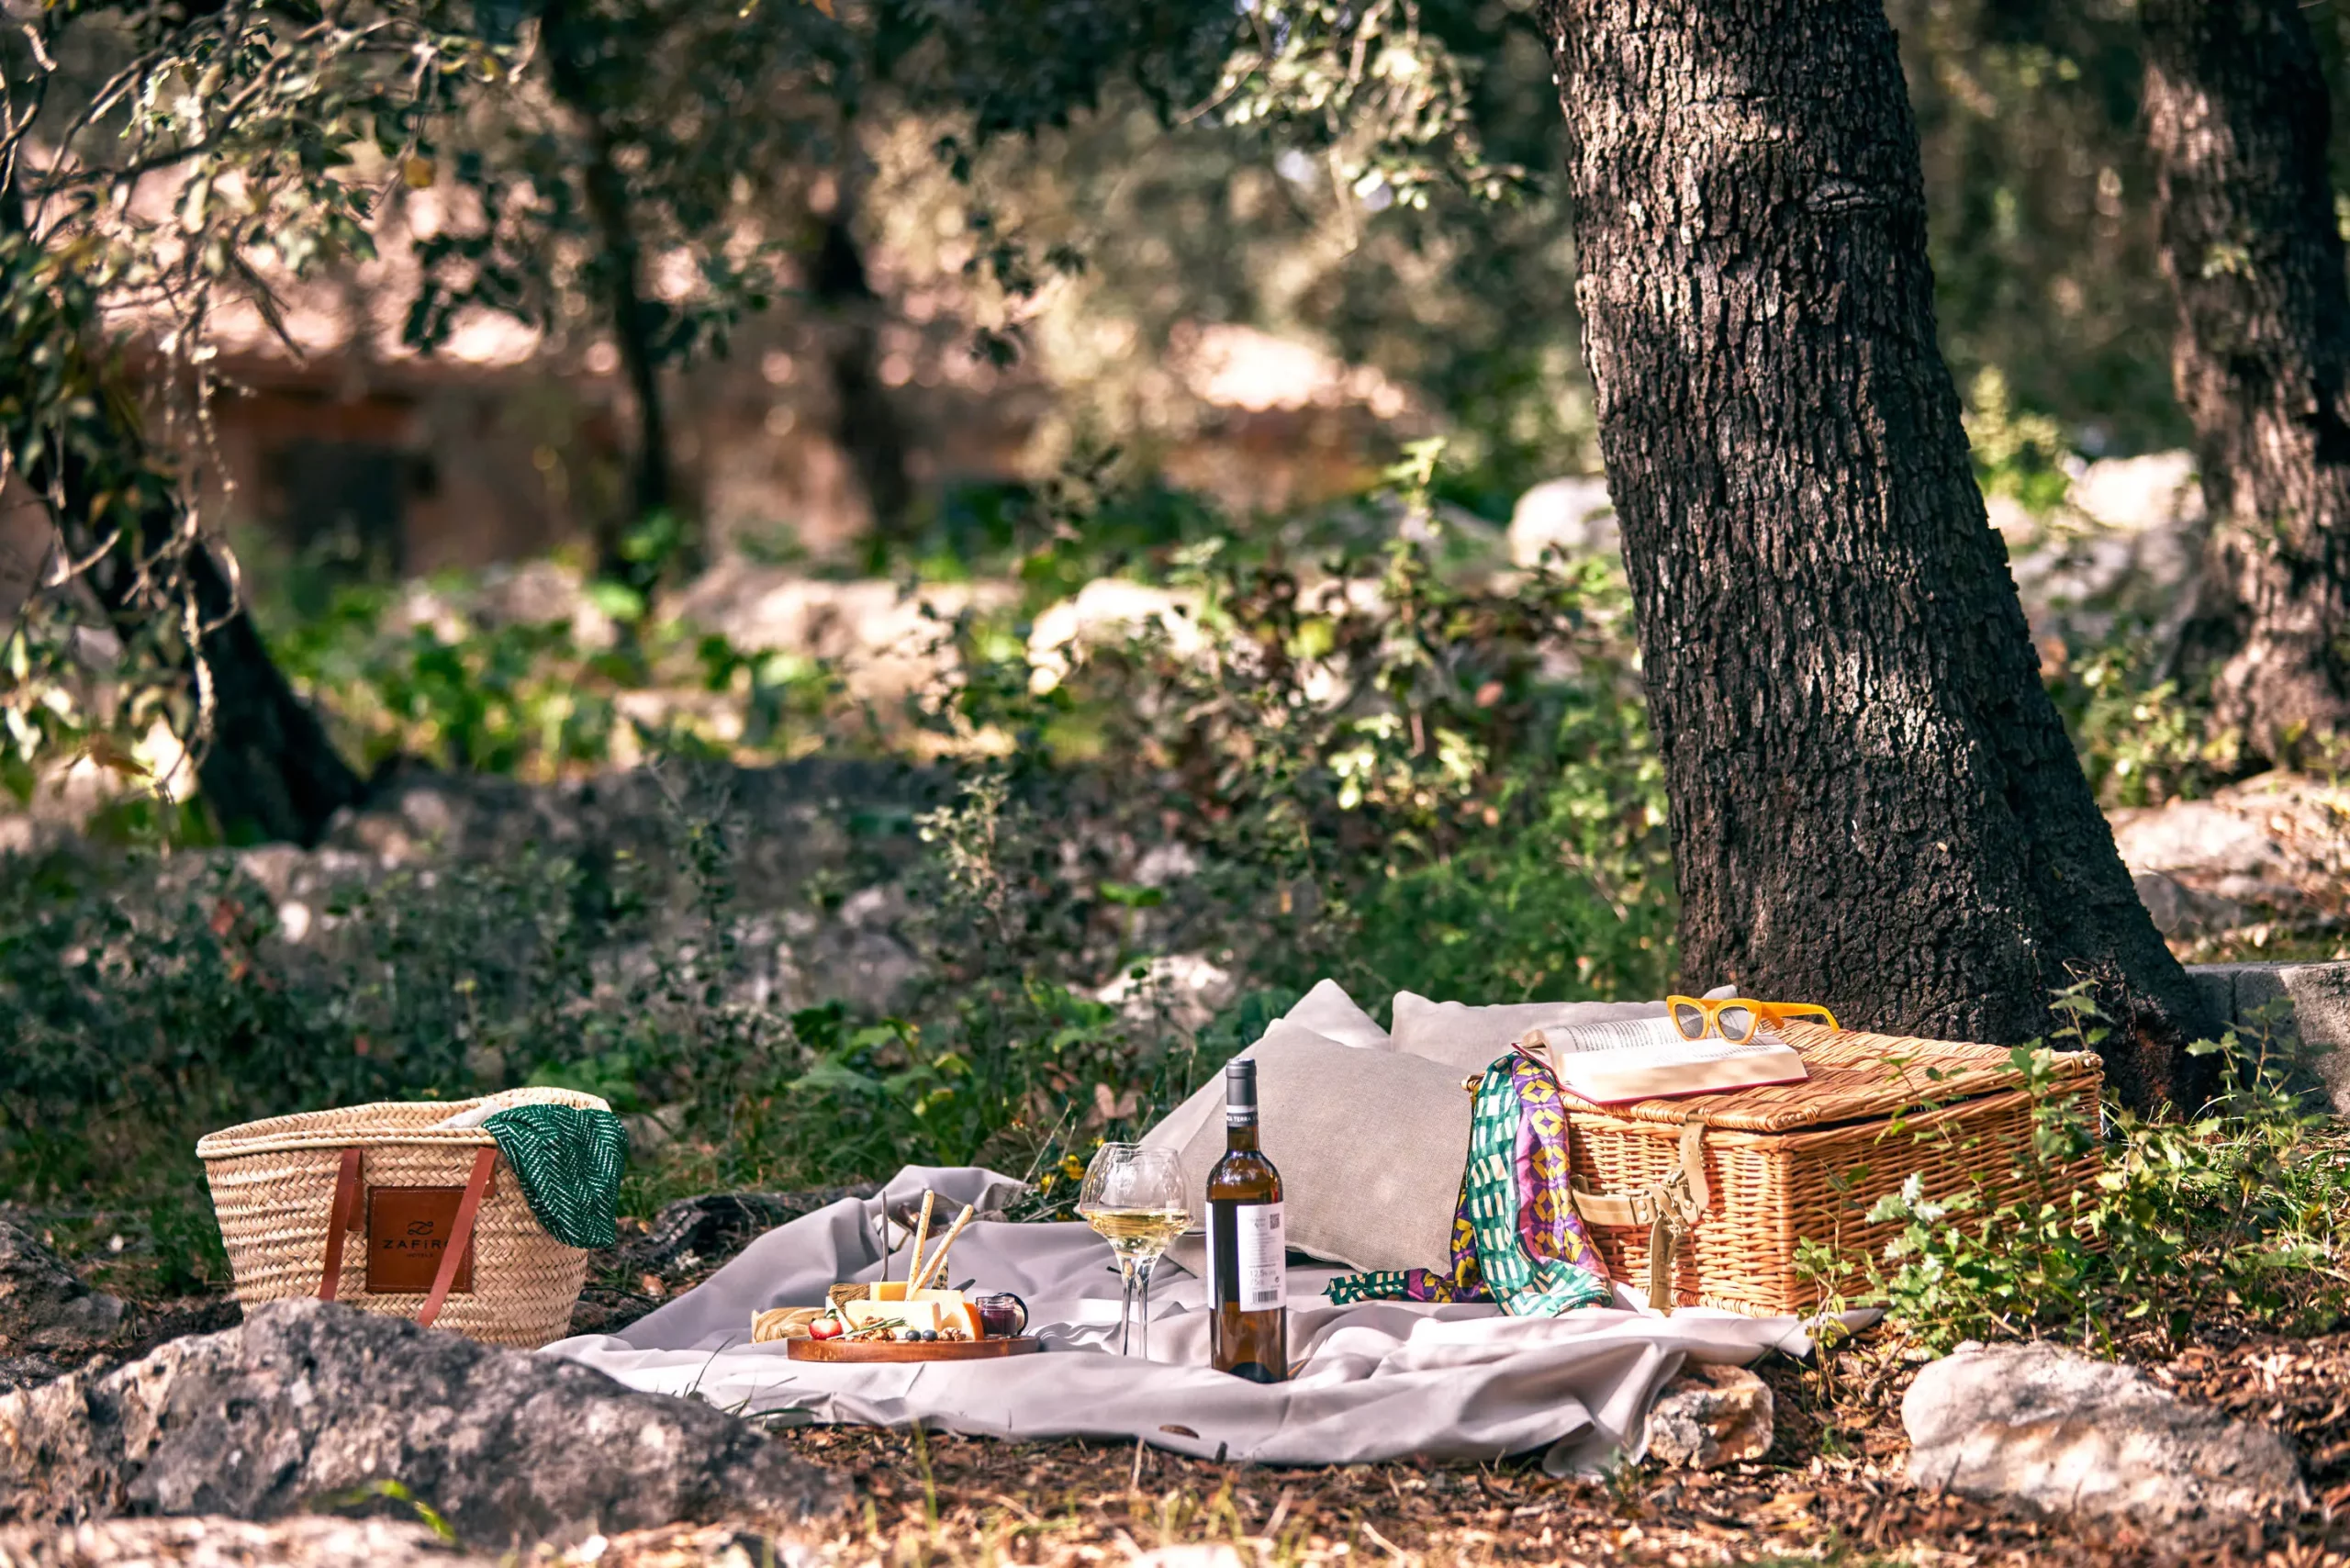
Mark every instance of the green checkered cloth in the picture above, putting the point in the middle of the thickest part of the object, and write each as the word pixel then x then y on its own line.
pixel 569 1161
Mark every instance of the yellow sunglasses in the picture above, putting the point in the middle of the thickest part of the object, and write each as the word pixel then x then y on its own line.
pixel 1735 1018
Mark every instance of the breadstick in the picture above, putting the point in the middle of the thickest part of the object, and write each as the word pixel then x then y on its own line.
pixel 938 1265
pixel 921 1234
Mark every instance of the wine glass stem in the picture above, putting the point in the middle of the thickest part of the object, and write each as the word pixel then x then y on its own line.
pixel 1126 1303
pixel 1142 1289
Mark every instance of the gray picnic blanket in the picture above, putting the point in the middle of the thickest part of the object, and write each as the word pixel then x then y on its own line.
pixel 1379 1379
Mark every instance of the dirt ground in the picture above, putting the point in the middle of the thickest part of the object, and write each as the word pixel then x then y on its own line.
pixel 1830 1491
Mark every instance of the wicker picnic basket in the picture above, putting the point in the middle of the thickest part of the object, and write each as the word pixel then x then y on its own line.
pixel 319 1203
pixel 1720 1189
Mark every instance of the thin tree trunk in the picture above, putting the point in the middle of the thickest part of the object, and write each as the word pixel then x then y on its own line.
pixel 2236 116
pixel 269 771
pixel 867 423
pixel 1874 803
pixel 651 482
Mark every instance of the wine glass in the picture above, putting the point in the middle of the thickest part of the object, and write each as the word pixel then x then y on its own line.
pixel 1133 1197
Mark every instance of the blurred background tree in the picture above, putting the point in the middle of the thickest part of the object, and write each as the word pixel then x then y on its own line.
pixel 1002 239
pixel 965 437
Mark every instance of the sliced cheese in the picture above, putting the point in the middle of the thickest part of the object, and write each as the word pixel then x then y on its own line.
pixel 929 1309
pixel 898 1314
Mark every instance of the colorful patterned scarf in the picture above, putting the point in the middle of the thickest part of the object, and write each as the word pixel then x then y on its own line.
pixel 1516 1239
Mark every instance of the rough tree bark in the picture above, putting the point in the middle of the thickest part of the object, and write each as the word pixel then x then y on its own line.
pixel 1875 804
pixel 571 46
pixel 2236 118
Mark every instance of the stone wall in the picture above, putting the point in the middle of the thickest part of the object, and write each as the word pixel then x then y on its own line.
pixel 2303 1009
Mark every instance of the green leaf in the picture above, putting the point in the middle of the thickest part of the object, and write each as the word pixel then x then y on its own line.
pixel 621 603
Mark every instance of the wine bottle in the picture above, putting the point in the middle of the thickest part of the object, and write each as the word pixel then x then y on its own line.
pixel 1247 1251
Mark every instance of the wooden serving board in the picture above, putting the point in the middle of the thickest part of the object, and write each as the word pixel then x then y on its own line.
pixel 899 1350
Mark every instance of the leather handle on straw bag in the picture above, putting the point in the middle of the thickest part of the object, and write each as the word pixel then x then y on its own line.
pixel 461 1236
pixel 342 1217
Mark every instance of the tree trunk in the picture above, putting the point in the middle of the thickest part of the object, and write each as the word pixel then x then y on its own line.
pixel 2235 109
pixel 1874 803
pixel 867 426
pixel 269 771
pixel 570 49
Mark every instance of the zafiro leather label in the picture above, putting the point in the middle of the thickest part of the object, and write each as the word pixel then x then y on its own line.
pixel 408 1235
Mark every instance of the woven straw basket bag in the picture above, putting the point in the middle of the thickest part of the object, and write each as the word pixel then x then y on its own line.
pixel 378 1207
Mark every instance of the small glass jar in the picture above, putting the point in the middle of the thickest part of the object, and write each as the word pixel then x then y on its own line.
pixel 1001 1315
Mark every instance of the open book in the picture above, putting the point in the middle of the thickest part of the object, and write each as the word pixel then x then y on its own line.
pixel 1646 1059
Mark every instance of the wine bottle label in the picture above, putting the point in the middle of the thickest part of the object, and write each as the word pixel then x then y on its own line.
pixel 1263 1254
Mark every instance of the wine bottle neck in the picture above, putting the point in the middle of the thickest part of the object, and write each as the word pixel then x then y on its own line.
pixel 1240 1138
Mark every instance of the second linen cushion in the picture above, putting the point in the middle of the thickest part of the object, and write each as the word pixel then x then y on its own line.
pixel 1371 1145
pixel 1468 1038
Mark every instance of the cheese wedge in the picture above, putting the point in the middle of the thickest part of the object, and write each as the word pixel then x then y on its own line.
pixel 929 1309
pixel 953 1309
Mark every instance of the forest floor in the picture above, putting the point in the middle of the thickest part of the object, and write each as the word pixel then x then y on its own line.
pixel 1831 1489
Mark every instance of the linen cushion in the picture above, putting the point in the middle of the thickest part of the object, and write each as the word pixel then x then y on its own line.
pixel 1469 1039
pixel 1330 1013
pixel 1326 1012
pixel 1371 1145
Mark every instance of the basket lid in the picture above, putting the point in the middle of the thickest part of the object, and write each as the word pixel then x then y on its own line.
pixel 1855 1076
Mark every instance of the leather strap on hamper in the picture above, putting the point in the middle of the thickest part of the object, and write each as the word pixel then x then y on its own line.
pixel 343 1217
pixel 461 1235
pixel 346 1216
pixel 1671 1209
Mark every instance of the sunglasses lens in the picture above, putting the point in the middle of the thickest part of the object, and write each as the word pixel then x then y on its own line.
pixel 1737 1023
pixel 1690 1021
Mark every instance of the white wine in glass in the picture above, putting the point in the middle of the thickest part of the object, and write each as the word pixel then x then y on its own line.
pixel 1134 1197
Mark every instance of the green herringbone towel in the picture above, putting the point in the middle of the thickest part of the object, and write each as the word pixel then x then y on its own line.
pixel 569 1161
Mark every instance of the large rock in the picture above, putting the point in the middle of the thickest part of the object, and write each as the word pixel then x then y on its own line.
pixel 44 1305
pixel 214 1542
pixel 2069 1434
pixel 2157 494
pixel 305 1400
pixel 1572 516
pixel 1187 988
pixel 311 1541
pixel 2277 844
pixel 883 640
pixel 2180 913
pixel 2299 1010
pixel 2123 545
pixel 1110 610
pixel 23 1372
pixel 1709 1416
